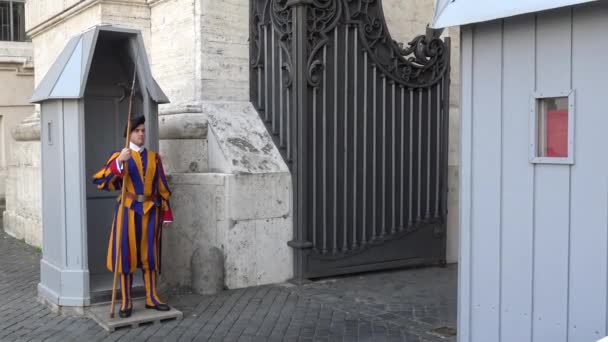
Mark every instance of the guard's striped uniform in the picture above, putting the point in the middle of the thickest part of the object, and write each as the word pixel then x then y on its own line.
pixel 146 207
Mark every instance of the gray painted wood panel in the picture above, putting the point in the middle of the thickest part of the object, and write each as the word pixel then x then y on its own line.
pixel 466 175
pixel 517 181
pixel 588 234
pixel 534 237
pixel 75 213
pixel 104 135
pixel 551 216
pixel 551 189
pixel 52 185
pixel 486 188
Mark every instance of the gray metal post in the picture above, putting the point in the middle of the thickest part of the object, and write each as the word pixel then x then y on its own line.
pixel 300 130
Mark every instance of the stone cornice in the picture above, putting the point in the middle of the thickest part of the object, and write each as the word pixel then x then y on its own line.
pixel 182 126
pixel 19 70
pixel 28 129
pixel 75 10
pixel 153 3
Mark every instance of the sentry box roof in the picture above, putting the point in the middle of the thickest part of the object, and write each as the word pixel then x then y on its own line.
pixel 462 12
pixel 67 77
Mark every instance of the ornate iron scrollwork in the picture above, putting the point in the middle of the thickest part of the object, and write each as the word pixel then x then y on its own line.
pixel 322 17
pixel 421 64
pixel 282 23
pixel 259 18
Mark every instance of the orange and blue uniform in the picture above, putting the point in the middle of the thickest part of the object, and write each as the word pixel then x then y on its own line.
pixel 146 207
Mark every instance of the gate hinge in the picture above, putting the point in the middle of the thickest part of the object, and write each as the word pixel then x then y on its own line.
pixel 300 244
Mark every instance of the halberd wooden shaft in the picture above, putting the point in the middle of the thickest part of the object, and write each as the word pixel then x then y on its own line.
pixel 120 214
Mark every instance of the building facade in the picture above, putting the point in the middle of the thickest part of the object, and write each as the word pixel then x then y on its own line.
pixel 232 188
pixel 17 82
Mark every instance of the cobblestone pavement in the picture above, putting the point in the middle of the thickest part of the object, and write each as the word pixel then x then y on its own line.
pixel 404 305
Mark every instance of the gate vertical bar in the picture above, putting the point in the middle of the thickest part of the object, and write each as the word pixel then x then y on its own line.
pixel 393 162
pixel 428 154
pixel 300 130
pixel 324 251
pixel 364 148
pixel 383 160
pixel 313 226
pixel 410 161
pixel 345 148
pixel 274 81
pixel 335 145
pixel 266 71
pixel 402 155
pixel 281 95
pixel 374 142
pixel 439 142
pixel 355 108
pixel 419 174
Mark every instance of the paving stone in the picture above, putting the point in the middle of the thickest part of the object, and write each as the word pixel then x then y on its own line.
pixel 402 305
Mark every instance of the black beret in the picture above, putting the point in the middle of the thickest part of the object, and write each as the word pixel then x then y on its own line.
pixel 135 121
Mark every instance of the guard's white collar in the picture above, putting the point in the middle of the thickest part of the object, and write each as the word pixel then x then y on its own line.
pixel 135 148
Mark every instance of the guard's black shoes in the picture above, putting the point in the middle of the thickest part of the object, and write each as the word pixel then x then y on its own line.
pixel 125 313
pixel 159 307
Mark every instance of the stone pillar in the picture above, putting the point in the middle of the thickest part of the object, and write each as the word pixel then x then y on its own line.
pixel 230 185
pixel 22 217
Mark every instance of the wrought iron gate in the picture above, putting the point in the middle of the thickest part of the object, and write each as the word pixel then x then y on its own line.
pixel 363 125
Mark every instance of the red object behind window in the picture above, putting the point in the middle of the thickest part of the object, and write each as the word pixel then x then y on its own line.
pixel 557 133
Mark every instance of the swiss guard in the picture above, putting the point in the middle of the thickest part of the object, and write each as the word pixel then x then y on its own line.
pixel 146 211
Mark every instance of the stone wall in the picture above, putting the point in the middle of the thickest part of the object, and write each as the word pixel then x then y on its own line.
pixel 175 53
pixel 18 160
pixel 231 200
pixel 225 50
pixel 38 12
pixel 22 217
pixel 200 51
pixel 16 70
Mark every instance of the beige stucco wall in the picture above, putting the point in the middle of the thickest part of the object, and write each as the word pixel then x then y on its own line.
pixel 17 78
